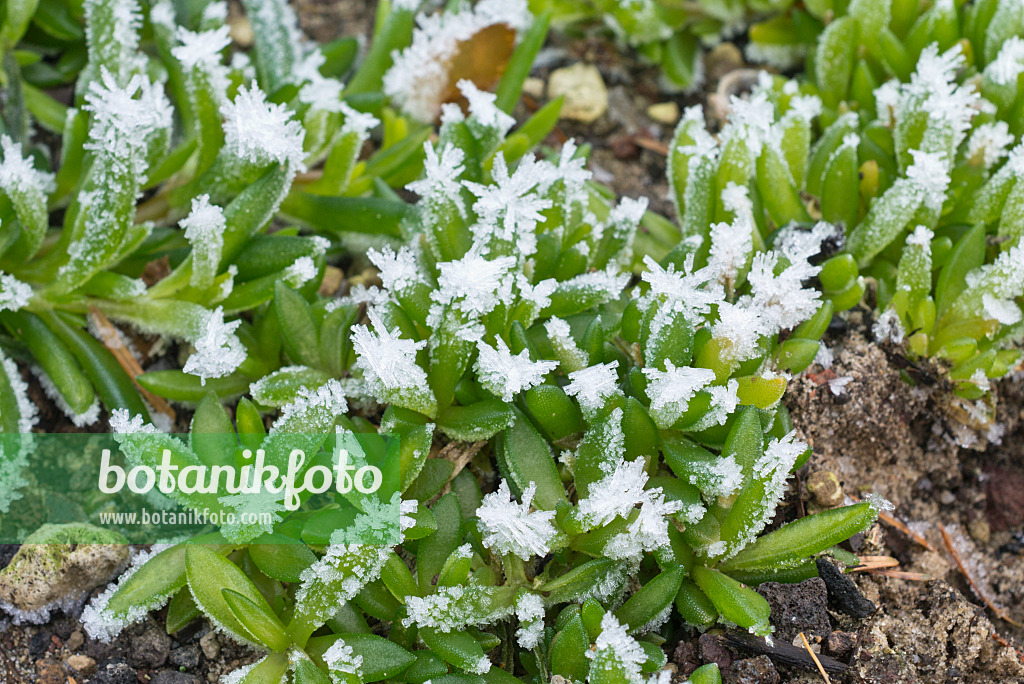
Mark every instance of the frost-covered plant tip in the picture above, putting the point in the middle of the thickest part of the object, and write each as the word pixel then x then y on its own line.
pixel 915 181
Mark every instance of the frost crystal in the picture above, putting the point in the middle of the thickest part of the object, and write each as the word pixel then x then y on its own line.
pixel 300 272
pixel 570 356
pixel 103 625
pixel 442 173
pixel 530 613
pixel 14 294
pixel 339 658
pixel 204 229
pixel 507 209
pixel 929 173
pixel 419 78
pixel 483 109
pixel 989 143
pixel 615 649
pixel 398 272
pixel 389 363
pixel 593 385
pixel 218 350
pixel 672 389
pixel 510 527
pixel 472 285
pixel 262 133
pixel 888 328
pixel 202 49
pixel 505 374
pixel 1008 64
pixel 451 608
pixel 18 174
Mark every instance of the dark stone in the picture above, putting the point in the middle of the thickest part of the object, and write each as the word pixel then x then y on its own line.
pixel 843 594
pixel 150 646
pixel 841 644
pixel 175 677
pixel 186 657
pixel 759 670
pixel 798 608
pixel 38 643
pixel 115 672
pixel 685 657
pixel 712 650
pixel 7 552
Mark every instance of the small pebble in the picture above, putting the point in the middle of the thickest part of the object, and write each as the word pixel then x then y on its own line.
pixel 586 97
pixel 840 644
pixel 825 487
pixel 82 664
pixel 664 112
pixel 49 671
pixel 75 641
pixel 534 87
pixel 186 657
pixel 210 645
pixel 979 530
pixel 947 498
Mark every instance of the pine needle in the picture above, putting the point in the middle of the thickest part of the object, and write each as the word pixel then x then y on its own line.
pixel 976 587
pixel 814 657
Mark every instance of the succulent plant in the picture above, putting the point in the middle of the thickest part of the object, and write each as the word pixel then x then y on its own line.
pixel 911 181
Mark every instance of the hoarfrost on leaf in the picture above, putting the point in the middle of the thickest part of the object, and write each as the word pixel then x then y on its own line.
pixel 510 527
pixel 593 385
pixel 219 352
pixel 506 374
pixel 260 132
pixel 14 294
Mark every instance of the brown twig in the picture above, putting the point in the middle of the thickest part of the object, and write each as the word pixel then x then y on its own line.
pixel 980 592
pixel 901 574
pixel 1002 641
pixel 814 657
pixel 869 563
pixel 111 339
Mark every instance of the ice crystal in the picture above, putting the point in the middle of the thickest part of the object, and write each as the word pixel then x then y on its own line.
pixel 204 229
pixel 218 350
pixel 510 527
pixel 1008 64
pixel 989 143
pixel 505 374
pixel 18 173
pixel 672 389
pixel 507 209
pixel 398 272
pixel 300 272
pixel 593 385
pixel 929 172
pixel 201 49
pixel 452 608
pixel 441 173
pixel 888 328
pixel 570 356
pixel 614 649
pixel 473 285
pixel 14 294
pixel 388 361
pixel 615 495
pixel 530 613
pixel 340 658
pixel 260 133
